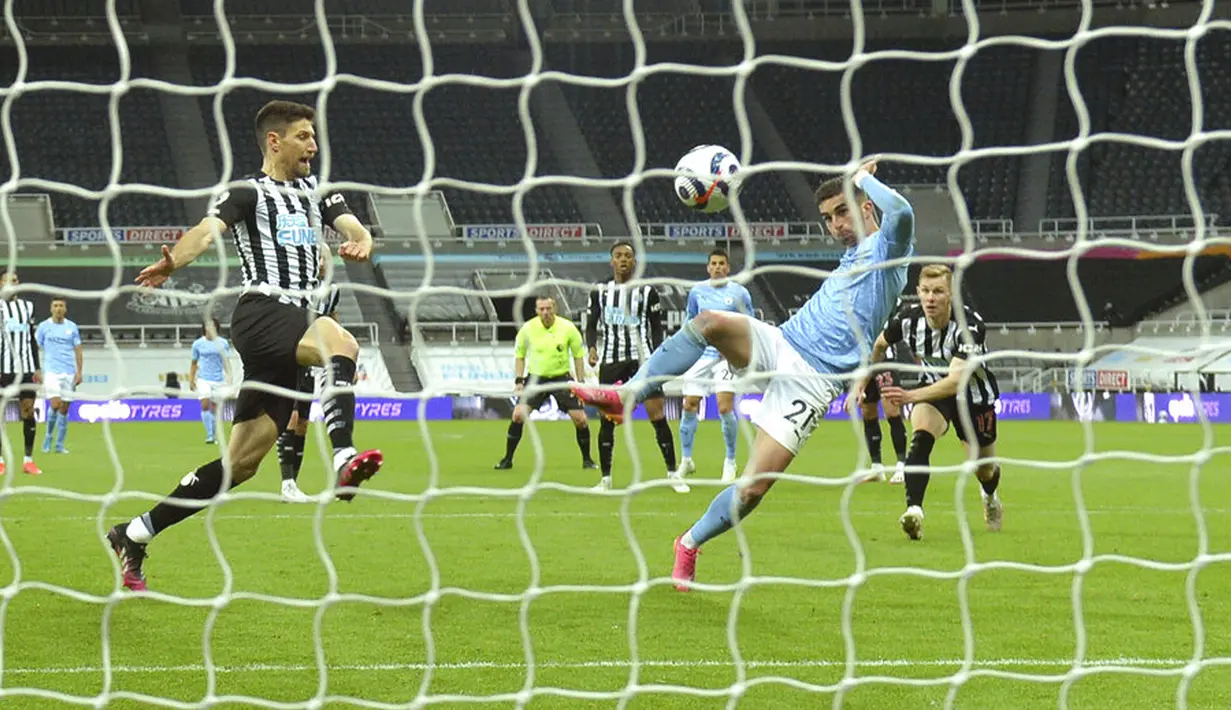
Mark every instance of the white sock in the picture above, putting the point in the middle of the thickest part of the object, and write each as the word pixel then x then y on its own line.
pixel 341 456
pixel 137 532
pixel 687 542
pixel 29 459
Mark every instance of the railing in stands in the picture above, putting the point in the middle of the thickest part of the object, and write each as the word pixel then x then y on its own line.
pixel 179 335
pixel 459 332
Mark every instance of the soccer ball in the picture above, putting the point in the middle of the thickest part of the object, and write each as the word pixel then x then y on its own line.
pixel 713 176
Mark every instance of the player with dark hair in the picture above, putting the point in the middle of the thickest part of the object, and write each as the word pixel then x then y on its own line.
pixel 209 373
pixel 932 331
pixel 19 364
pixel 712 373
pixel 59 342
pixel 275 218
pixel 807 356
pixel 546 345
pixel 631 320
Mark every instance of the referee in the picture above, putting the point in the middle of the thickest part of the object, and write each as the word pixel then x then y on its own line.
pixel 550 341
pixel 631 319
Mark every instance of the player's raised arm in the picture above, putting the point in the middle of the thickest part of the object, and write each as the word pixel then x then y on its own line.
pixel 230 207
pixel 897 226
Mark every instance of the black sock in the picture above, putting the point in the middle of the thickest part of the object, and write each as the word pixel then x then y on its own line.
pixel 583 442
pixel 991 484
pixel 897 433
pixel 514 438
pixel 666 442
pixel 920 454
pixel 200 485
pixel 340 410
pixel 27 430
pixel 606 443
pixel 290 454
pixel 872 434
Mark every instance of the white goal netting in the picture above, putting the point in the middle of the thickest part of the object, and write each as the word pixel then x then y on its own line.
pixel 445 585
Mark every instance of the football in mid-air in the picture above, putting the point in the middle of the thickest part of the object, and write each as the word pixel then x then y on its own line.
pixel 712 175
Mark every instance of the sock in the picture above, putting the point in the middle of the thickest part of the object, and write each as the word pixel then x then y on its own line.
pixel 718 517
pixel 606 444
pixel 512 440
pixel 872 435
pixel 340 410
pixel 991 484
pixel 139 529
pixel 207 418
pixel 52 416
pixel 666 442
pixel 290 454
pixel 897 433
pixel 688 432
pixel 673 357
pixel 920 454
pixel 730 433
pixel 583 442
pixel 27 429
pixel 200 485
pixel 61 431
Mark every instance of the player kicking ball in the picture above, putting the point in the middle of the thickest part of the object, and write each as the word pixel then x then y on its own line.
pixel 932 333
pixel 807 355
pixel 276 218
pixel 60 341
pixel 711 372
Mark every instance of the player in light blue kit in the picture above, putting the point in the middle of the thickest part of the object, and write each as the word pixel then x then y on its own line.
pixel 712 373
pixel 829 337
pixel 60 342
pixel 210 372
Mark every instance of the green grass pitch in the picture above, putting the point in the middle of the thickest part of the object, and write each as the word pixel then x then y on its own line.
pixel 256 600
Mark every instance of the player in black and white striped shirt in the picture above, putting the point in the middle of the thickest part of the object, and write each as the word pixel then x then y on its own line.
pixel 276 217
pixel 943 345
pixel 19 364
pixel 631 320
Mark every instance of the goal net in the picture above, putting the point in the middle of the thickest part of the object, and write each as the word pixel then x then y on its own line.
pixel 1069 160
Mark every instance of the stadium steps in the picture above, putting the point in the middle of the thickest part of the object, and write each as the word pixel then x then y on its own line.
pixel 380 311
pixel 190 154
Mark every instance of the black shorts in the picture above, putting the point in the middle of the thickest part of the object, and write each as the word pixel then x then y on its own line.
pixel 882 378
pixel 307 383
pixel 266 334
pixel 28 388
pixel 565 399
pixel 982 418
pixel 615 373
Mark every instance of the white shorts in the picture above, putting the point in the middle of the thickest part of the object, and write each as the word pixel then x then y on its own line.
pixel 706 376
pixel 207 389
pixel 59 385
pixel 796 398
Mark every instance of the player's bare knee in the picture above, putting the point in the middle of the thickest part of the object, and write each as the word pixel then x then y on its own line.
pixel 755 489
pixel 985 471
pixel 579 419
pixel 519 414
pixel 725 407
pixel 692 404
pixel 301 427
pixel 870 411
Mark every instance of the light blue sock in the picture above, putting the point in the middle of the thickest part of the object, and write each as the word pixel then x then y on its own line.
pixel 730 433
pixel 673 357
pixel 717 518
pixel 52 416
pixel 61 429
pixel 208 418
pixel 688 432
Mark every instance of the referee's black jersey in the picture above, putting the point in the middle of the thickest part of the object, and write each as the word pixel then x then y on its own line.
pixel 18 347
pixel 277 231
pixel 935 348
pixel 630 318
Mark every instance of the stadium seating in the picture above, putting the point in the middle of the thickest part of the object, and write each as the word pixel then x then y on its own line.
pixel 1139 86
pixel 66 136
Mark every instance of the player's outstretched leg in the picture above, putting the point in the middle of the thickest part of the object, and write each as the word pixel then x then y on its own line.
pixel 733 504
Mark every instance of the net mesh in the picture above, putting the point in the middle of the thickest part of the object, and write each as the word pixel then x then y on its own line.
pixel 639 673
